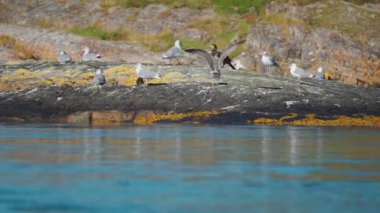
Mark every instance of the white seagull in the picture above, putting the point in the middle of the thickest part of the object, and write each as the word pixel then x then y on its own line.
pixel 63 57
pixel 320 74
pixel 268 61
pixel 299 72
pixel 215 68
pixel 145 74
pixel 173 52
pixel 99 78
pixel 87 56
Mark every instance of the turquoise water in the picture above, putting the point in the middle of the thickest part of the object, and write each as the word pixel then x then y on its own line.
pixel 168 168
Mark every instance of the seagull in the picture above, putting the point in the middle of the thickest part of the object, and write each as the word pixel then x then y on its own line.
pixel 320 74
pixel 215 68
pixel 99 78
pixel 173 52
pixel 216 53
pixel 63 57
pixel 268 61
pixel 145 74
pixel 299 73
pixel 87 56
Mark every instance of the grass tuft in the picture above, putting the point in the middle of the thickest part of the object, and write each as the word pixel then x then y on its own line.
pixel 24 51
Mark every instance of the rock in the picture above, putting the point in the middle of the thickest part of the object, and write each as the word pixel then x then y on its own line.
pixel 184 94
pixel 311 48
pixel 243 62
pixel 49 43
pixel 192 33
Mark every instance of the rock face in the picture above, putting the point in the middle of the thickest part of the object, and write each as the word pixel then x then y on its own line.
pixel 46 45
pixel 184 94
pixel 152 19
pixel 311 36
pixel 313 48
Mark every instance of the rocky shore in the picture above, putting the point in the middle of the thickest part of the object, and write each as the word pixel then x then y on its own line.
pixel 51 92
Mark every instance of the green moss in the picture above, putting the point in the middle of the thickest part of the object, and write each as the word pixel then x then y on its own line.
pixel 351 20
pixel 306 2
pixel 97 32
pixel 156 43
pixel 238 6
pixel 44 23
pixel 197 4
pixel 223 6
pixel 281 19
pixel 193 43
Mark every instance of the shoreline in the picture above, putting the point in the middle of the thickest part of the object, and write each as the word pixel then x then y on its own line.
pixel 50 92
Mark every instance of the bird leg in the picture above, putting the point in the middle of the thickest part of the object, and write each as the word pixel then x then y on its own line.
pixel 178 61
pixel 232 66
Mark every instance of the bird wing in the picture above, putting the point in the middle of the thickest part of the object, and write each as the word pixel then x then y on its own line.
pixel 148 74
pixel 204 54
pixel 95 55
pixel 303 73
pixel 64 58
pixel 273 61
pixel 228 51
pixel 99 79
pixel 172 52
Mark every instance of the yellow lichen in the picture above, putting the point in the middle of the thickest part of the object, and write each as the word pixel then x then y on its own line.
pixel 24 74
pixel 124 75
pixel 312 120
pixel 122 69
pixel 4 78
pixel 47 82
pixel 170 77
pixel 60 81
pixel 11 62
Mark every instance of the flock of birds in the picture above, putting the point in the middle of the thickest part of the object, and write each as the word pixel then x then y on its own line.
pixel 216 60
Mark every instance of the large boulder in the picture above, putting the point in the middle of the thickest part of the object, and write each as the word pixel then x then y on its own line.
pixel 49 91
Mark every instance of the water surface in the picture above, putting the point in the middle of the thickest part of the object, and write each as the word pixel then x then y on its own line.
pixel 169 168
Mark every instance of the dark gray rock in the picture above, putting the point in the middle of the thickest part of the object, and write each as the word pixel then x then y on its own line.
pixel 240 99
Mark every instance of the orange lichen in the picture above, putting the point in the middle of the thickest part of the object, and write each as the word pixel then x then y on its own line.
pixel 109 117
pixel 78 118
pixel 150 117
pixel 312 120
pixel 99 117
pixel 290 116
pixel 140 118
